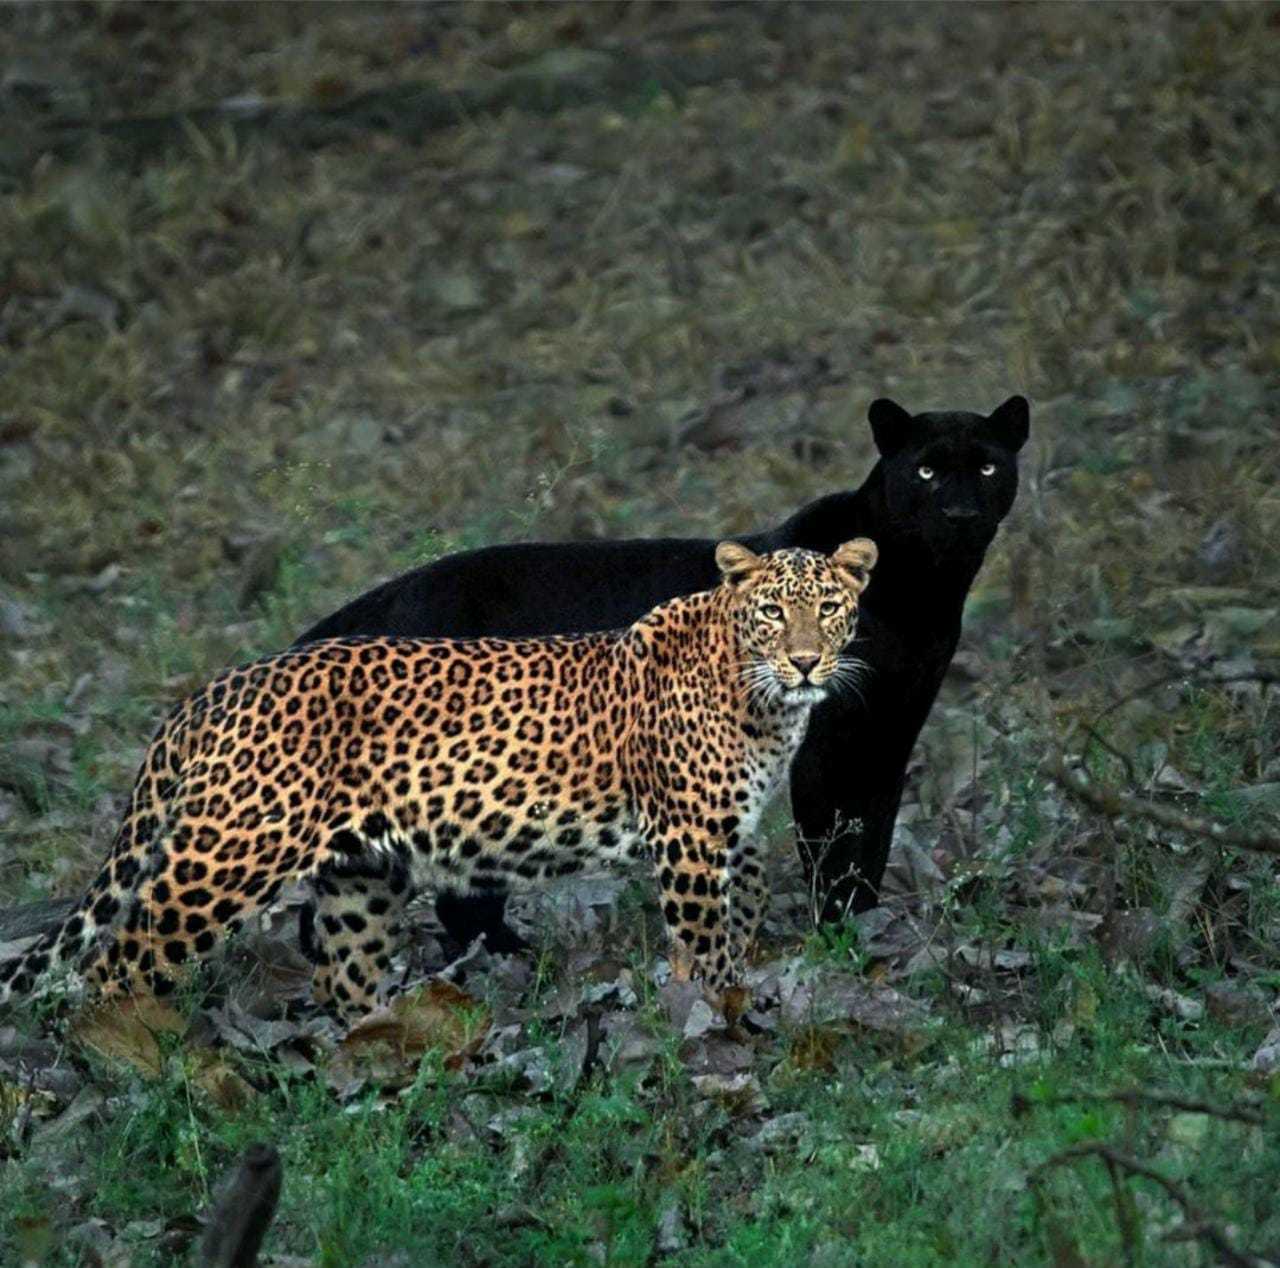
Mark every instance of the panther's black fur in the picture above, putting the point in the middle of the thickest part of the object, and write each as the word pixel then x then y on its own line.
pixel 928 506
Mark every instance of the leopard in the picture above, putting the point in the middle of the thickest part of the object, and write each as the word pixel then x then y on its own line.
pixel 372 767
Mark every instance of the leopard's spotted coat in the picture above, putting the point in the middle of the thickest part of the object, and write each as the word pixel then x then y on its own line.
pixel 376 765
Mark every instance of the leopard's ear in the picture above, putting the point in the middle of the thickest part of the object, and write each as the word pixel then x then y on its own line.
pixel 891 426
pixel 736 562
pixel 854 561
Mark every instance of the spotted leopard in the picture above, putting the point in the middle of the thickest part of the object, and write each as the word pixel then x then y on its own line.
pixel 373 766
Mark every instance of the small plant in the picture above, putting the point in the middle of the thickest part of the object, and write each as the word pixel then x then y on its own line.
pixel 837 943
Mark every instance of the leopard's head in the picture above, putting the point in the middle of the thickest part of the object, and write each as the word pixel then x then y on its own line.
pixel 795 611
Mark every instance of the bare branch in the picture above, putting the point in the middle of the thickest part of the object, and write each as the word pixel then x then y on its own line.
pixel 1265 677
pixel 1197 1225
pixel 1116 804
pixel 1134 1097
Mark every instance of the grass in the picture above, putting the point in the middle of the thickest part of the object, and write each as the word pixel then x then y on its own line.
pixel 245 379
pixel 919 1160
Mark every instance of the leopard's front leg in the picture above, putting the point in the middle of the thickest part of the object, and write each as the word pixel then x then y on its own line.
pixel 748 901
pixel 693 880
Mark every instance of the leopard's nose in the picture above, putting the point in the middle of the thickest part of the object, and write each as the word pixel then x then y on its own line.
pixel 804 662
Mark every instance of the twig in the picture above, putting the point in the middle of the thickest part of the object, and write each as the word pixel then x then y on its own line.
pixel 1197 1225
pixel 1133 1098
pixel 1119 754
pixel 1264 676
pixel 1114 803
pixel 1125 1215
pixel 239 1222
pixel 23 1125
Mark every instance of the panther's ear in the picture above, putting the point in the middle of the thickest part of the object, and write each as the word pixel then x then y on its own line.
pixel 891 426
pixel 736 562
pixel 1011 423
pixel 854 561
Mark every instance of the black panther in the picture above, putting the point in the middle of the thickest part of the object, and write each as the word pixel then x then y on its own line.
pixel 932 504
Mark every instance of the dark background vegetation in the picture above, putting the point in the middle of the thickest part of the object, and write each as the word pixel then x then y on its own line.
pixel 293 297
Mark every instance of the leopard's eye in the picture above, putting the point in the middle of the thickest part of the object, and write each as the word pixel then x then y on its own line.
pixel 828 608
pixel 925 473
pixel 771 611
pixel 987 469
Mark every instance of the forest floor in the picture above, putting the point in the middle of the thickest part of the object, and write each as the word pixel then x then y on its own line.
pixel 273 328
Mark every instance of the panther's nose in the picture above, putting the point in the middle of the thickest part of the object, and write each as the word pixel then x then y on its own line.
pixel 804 662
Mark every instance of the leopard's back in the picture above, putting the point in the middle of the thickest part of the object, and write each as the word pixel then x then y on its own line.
pixel 461 763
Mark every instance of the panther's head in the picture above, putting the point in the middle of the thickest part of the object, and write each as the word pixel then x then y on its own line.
pixel 949 478
pixel 795 611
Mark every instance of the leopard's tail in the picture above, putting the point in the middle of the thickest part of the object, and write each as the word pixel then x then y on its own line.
pixel 55 954
pixel 88 931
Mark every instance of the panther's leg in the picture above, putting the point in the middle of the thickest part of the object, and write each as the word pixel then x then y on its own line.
pixel 691 871
pixel 355 930
pixel 846 787
pixel 748 901
pixel 466 917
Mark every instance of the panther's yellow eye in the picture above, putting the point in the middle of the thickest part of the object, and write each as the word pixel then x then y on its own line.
pixel 771 611
pixel 987 469
pixel 829 608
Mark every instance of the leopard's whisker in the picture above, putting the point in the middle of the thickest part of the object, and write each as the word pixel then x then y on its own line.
pixel 853 662
pixel 849 680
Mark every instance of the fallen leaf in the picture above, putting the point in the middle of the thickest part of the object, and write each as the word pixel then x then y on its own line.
pixel 1267 1058
pixel 627 1045
pixel 531 1068
pixel 388 1044
pixel 815 998
pixel 215 1076
pixel 87 1104
pixel 740 1094
pixel 985 958
pixel 717 1055
pixel 241 1029
pixel 35 1065
pixel 1181 1005
pixel 1233 1005
pixel 815 1047
pixel 702 1018
pixel 686 1008
pixel 128 1028
pixel 1012 1044
pixel 782 1134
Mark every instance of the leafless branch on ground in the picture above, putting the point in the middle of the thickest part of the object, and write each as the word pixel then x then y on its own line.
pixel 1134 1097
pixel 1114 803
pixel 1119 1164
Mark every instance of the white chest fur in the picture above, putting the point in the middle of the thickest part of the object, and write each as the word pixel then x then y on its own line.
pixel 768 760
